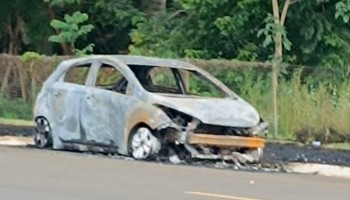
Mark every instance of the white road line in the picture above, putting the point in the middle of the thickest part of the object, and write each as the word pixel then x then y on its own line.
pixel 219 196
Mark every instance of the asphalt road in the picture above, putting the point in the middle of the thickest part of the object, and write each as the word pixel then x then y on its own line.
pixel 32 174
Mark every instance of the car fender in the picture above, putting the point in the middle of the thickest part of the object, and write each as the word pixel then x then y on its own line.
pixel 146 114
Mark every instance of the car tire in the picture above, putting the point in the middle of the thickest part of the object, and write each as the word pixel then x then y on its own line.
pixel 142 143
pixel 42 134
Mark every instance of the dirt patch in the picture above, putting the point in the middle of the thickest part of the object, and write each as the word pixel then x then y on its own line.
pixel 286 153
pixel 16 141
pixel 7 130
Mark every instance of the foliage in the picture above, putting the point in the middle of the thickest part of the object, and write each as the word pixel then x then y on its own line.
pixel 269 32
pixel 15 109
pixel 202 29
pixel 152 37
pixel 229 29
pixel 113 21
pixel 70 30
pixel 321 40
pixel 61 3
pixel 305 114
pixel 206 29
pixel 31 56
pixel 23 26
pixel 343 10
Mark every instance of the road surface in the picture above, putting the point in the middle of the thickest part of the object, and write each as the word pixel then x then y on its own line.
pixel 32 174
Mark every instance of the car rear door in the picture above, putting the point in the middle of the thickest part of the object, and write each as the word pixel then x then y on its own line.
pixel 65 100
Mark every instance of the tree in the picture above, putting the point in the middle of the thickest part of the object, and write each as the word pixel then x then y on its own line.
pixel 152 8
pixel 186 28
pixel 19 32
pixel 279 22
pixel 275 32
pixel 70 30
pixel 22 25
pixel 203 29
pixel 112 21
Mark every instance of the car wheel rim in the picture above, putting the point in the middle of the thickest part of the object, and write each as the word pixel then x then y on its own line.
pixel 141 144
pixel 42 133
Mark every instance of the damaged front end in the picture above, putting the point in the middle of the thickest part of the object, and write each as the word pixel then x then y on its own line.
pixel 186 137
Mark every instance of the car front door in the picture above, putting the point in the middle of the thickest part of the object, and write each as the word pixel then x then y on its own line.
pixel 65 101
pixel 104 105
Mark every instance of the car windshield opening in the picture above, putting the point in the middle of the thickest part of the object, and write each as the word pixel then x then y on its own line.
pixel 157 79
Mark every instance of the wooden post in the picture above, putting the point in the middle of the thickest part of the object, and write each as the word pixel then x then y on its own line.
pixel 22 81
pixel 4 84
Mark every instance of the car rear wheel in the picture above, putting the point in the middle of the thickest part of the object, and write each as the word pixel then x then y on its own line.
pixel 142 143
pixel 42 136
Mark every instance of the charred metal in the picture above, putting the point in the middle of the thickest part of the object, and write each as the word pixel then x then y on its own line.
pixel 146 107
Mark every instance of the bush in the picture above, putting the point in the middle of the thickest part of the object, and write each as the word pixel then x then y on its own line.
pixel 305 113
pixel 15 109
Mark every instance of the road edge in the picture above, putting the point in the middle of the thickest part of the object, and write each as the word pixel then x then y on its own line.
pixel 318 169
pixel 294 167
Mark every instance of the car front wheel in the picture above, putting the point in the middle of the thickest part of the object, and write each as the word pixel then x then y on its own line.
pixel 142 143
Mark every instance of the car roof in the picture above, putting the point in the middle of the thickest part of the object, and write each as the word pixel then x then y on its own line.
pixel 153 61
pixel 139 60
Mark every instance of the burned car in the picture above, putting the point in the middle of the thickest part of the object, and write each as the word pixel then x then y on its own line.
pixel 145 107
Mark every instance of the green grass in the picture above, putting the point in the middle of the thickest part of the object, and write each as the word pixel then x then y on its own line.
pixel 339 146
pixel 15 122
pixel 304 115
pixel 15 109
pixel 314 115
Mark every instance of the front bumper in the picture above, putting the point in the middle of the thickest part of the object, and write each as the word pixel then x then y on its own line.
pixel 225 141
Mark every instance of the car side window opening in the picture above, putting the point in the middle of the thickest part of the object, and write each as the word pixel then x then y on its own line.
pixel 198 85
pixel 77 74
pixel 109 78
pixel 163 80
pixel 170 80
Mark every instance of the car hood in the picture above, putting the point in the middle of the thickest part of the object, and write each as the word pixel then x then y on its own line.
pixel 222 112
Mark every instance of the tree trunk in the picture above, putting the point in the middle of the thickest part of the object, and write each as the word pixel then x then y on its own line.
pixel 14 92
pixel 64 46
pixel 33 87
pixel 22 81
pixel 186 80
pixel 279 21
pixel 9 35
pixel 4 84
pixel 8 28
pixel 277 55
